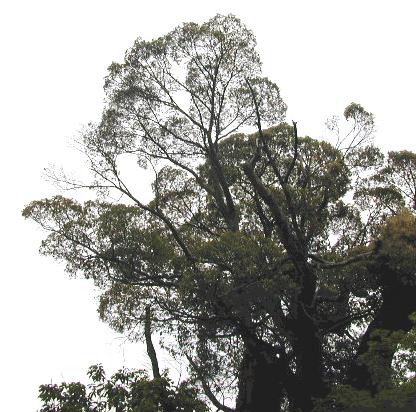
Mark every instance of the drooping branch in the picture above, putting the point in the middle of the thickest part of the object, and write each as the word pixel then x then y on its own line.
pixel 207 390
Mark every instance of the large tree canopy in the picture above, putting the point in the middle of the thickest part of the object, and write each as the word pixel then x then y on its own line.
pixel 281 267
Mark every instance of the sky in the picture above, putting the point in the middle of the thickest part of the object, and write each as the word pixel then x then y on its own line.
pixel 53 58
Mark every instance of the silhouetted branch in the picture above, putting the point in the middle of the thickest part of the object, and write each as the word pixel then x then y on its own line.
pixel 149 344
pixel 210 395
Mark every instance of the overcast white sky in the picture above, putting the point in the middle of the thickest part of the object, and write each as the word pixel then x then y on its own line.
pixel 54 55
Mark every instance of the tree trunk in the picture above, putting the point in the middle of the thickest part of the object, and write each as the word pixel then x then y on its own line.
pixel 260 386
pixel 307 346
pixel 399 301
pixel 166 403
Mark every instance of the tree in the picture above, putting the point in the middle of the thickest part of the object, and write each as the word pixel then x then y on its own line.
pixel 276 262
pixel 124 391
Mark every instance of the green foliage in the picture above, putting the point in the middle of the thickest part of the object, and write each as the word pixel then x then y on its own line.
pixel 348 399
pixel 396 385
pixel 126 391
pixel 399 244
pixel 399 175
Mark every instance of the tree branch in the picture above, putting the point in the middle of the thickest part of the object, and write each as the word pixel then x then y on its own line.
pixel 149 344
pixel 295 156
pixel 210 395
pixel 324 264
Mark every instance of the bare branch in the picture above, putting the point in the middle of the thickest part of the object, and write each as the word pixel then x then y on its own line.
pixel 149 344
pixel 208 392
